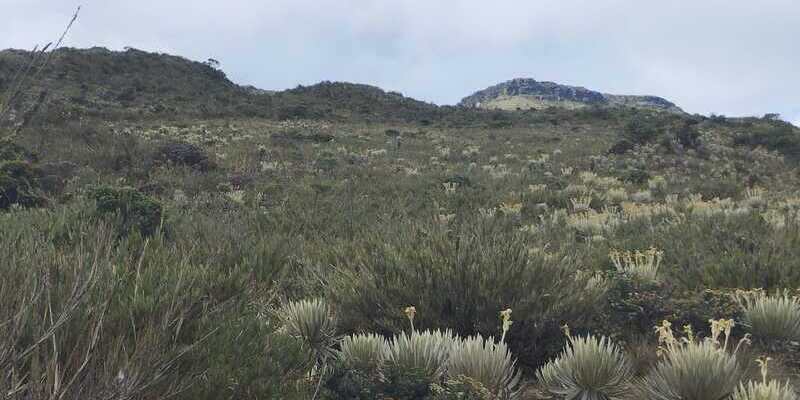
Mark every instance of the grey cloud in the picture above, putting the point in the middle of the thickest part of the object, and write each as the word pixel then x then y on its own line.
pixel 731 57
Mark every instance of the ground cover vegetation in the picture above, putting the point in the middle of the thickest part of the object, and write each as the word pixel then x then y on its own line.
pixel 166 233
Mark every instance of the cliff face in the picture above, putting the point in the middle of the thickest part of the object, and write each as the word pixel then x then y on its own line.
pixel 529 93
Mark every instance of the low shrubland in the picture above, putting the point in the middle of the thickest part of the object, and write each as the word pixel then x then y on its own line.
pixel 436 255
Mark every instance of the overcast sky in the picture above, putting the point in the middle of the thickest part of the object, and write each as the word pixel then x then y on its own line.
pixel 732 57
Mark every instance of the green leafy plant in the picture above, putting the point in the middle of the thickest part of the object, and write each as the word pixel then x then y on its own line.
pixel 135 209
pixel 20 185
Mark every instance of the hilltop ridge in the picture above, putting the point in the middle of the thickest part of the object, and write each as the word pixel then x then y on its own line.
pixel 136 84
pixel 526 93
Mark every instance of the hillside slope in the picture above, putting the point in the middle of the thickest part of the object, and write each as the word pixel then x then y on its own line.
pixel 196 240
pixel 137 84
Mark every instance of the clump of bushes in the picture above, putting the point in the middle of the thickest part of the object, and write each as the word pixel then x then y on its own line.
pixel 460 276
pixel 10 150
pixel 687 135
pixel 188 154
pixel 622 146
pixel 642 129
pixel 133 208
pixel 20 177
pixel 774 135
pixel 20 185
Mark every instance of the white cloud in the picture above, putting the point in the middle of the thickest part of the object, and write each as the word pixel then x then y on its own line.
pixel 728 57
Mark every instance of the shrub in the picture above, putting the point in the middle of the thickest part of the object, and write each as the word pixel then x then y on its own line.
pixel 185 154
pixel 461 388
pixel 247 359
pixel 637 176
pixel 488 363
pixel 695 371
pixel 20 185
pixel 688 135
pixel 774 135
pixel 458 278
pixel 622 146
pixel 641 129
pixel 590 369
pixel 770 317
pixel 11 151
pixel 134 208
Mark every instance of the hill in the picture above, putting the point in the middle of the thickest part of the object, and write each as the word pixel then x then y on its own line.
pixel 135 84
pixel 529 93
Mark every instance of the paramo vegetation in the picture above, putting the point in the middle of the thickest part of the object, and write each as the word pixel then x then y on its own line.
pixel 340 242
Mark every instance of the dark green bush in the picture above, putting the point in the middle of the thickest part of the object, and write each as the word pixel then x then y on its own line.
pixel 776 136
pixel 622 146
pixel 688 135
pixel 11 151
pixel 188 154
pixel 135 209
pixel 20 185
pixel 637 176
pixel 641 129
pixel 459 279
pixel 635 308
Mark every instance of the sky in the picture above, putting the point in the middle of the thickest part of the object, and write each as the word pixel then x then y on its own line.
pixel 729 57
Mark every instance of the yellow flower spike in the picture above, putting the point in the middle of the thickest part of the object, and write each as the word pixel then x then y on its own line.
pixel 763 364
pixel 565 329
pixel 410 312
pixel 666 339
pixel 687 329
pixel 505 316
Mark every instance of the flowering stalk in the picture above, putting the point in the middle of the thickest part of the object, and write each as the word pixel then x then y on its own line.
pixel 410 312
pixel 505 317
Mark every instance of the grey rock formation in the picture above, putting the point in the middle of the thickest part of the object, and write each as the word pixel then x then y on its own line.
pixel 554 94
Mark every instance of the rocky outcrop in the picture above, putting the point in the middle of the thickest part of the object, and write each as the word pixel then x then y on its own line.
pixel 529 93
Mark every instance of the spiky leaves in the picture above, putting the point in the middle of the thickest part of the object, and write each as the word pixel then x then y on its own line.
pixel 488 363
pixel 695 371
pixel 363 352
pixel 771 390
pixel 588 369
pixel 770 317
pixel 420 352
pixel 312 322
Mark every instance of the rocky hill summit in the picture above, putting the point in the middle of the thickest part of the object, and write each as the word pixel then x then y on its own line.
pixel 525 93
